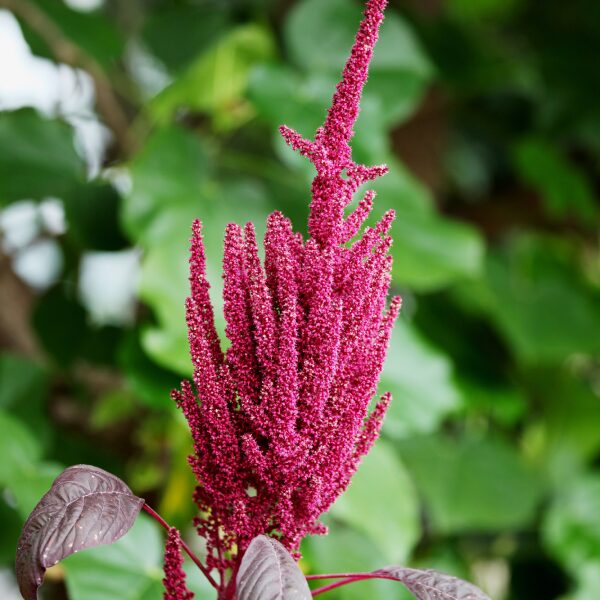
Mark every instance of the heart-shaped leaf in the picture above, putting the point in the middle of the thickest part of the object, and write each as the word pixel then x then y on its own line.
pixel 427 584
pixel 85 507
pixel 268 572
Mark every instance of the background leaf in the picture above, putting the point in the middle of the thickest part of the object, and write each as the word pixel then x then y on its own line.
pixel 345 550
pixel 473 485
pixel 18 446
pixel 381 503
pixel 572 525
pixel 546 311
pixel 25 137
pixel 216 80
pixel 420 378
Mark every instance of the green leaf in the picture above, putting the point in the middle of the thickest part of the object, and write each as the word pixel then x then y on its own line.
pixel 169 175
pixel 588 583
pixel 28 487
pixel 540 303
pixel 148 382
pixel 381 503
pixel 465 10
pixel 343 550
pixel 166 342
pixel 283 96
pixel 11 523
pixel 420 378
pixel 318 36
pixel 431 252
pixel 20 380
pixel 503 402
pixel 23 386
pixel 571 528
pixel 92 213
pixel 177 33
pixel 568 422
pixel 565 189
pixel 129 569
pixel 402 191
pixel 472 484
pixel 216 81
pixel 61 325
pixel 38 157
pixel 19 449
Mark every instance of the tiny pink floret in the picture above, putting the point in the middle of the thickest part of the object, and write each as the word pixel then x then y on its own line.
pixel 280 420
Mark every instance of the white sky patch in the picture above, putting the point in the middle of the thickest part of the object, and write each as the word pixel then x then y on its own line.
pixel 8 586
pixel 27 227
pixel 53 89
pixel 19 225
pixel 84 5
pixel 52 215
pixel 39 264
pixel 26 232
pixel 24 79
pixel 108 284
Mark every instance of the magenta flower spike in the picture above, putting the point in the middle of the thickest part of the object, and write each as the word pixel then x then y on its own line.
pixel 280 421
pixel 174 580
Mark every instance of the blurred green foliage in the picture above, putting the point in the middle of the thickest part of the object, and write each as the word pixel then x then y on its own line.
pixel 485 111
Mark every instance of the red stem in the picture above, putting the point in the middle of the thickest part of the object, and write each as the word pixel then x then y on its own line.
pixel 187 549
pixel 338 575
pixel 337 584
pixel 230 589
pixel 345 578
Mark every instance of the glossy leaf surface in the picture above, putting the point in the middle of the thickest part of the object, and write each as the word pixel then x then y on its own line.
pixel 85 507
pixel 268 572
pixel 427 584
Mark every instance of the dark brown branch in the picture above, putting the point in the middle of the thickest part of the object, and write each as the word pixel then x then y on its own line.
pixel 16 302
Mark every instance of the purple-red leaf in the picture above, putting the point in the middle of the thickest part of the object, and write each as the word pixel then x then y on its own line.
pixel 427 584
pixel 85 507
pixel 268 572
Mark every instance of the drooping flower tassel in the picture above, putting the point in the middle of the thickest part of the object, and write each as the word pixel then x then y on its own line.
pixel 174 580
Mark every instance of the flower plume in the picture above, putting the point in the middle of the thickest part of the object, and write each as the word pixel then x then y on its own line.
pixel 280 420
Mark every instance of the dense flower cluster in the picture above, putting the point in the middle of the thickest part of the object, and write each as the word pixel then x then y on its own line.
pixel 280 419
pixel 174 580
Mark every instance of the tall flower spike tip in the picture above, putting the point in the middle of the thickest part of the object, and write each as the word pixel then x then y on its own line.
pixel 338 129
pixel 200 286
pixel 330 152
pixel 174 580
